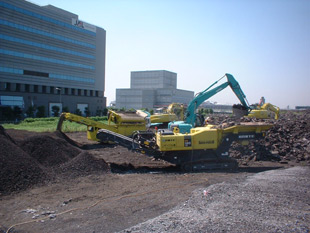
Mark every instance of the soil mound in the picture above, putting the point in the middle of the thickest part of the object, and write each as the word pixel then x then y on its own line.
pixel 41 158
pixel 59 134
pixel 5 135
pixel 18 170
pixel 83 164
pixel 49 151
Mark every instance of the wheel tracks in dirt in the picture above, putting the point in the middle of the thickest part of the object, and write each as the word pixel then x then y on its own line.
pixel 110 199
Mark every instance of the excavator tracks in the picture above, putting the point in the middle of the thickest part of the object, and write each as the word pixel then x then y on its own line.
pixel 207 165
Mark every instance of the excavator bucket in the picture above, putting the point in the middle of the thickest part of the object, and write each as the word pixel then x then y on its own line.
pixel 239 110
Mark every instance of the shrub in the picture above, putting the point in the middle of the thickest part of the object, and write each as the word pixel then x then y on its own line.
pixel 87 112
pixel 78 112
pixel 65 109
pixel 30 111
pixel 40 111
pixel 99 118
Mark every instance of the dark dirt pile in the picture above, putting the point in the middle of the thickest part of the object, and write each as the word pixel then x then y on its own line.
pixel 5 136
pixel 18 170
pixel 49 151
pixel 40 159
pixel 288 140
pixel 83 164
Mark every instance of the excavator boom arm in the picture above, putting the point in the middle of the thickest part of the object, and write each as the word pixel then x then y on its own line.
pixel 237 90
pixel 199 99
pixel 206 94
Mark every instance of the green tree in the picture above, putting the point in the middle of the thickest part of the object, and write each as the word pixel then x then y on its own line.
pixel 6 113
pixel 65 109
pixel 78 112
pixel 105 111
pixel 87 112
pixel 30 111
pixel 55 110
pixel 17 111
pixel 98 112
pixel 40 111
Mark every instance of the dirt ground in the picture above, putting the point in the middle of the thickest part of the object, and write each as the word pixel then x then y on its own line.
pixel 50 182
pixel 136 188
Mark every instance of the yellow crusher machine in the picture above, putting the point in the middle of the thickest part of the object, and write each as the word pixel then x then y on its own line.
pixel 121 122
pixel 204 148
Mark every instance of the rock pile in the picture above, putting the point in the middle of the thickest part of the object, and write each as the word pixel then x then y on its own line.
pixel 290 137
pixel 288 140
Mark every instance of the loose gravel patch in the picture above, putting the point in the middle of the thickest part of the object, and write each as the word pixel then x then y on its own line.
pixel 272 201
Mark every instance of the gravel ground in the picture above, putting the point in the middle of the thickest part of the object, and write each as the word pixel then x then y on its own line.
pixel 272 201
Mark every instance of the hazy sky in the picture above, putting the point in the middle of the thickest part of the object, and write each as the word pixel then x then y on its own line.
pixel 264 44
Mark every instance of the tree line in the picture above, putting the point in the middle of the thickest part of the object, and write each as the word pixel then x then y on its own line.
pixel 16 113
pixel 8 113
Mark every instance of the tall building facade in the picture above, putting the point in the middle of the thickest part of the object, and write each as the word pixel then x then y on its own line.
pixel 49 57
pixel 152 89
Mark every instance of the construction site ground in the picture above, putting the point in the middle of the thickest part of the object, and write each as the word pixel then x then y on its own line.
pixel 88 187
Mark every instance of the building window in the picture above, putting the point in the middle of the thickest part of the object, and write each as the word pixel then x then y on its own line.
pixel 66 91
pixel 43 89
pixel 12 101
pixel 97 93
pixel 72 91
pixel 52 90
pixel 79 91
pixel 35 89
pixel 7 86
pixel 27 88
pixel 35 73
pixel 85 92
pixel 44 46
pixel 91 93
pixel 17 87
pixel 45 59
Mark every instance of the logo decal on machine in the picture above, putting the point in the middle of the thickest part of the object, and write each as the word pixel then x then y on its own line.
pixel 206 142
pixel 246 136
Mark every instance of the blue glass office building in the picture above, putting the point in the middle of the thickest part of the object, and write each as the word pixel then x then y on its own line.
pixel 48 56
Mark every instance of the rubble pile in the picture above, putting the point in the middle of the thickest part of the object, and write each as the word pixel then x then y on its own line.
pixel 40 159
pixel 287 140
pixel 290 137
